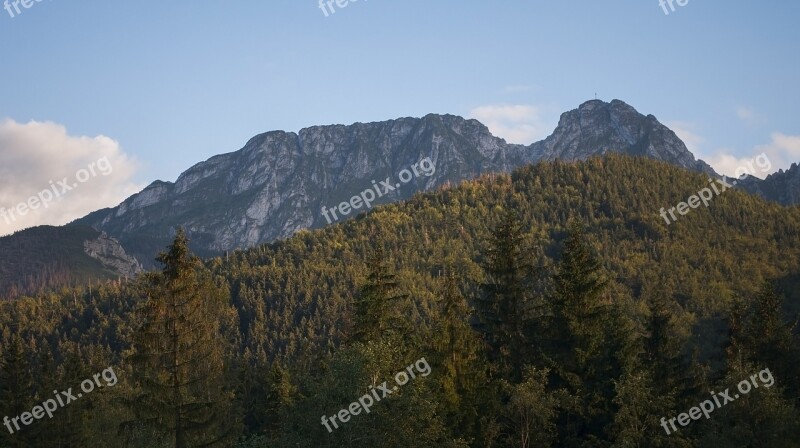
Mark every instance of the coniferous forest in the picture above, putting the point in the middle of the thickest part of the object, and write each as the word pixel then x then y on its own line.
pixel 550 307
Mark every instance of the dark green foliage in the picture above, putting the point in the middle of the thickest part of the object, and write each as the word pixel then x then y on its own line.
pixel 378 303
pixel 459 362
pixel 45 257
pixel 630 326
pixel 178 359
pixel 586 344
pixel 16 391
pixel 763 337
pixel 504 307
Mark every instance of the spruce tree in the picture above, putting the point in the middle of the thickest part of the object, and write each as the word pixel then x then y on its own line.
pixel 767 339
pixel 586 343
pixel 459 360
pixel 16 392
pixel 178 360
pixel 281 394
pixel 504 306
pixel 377 303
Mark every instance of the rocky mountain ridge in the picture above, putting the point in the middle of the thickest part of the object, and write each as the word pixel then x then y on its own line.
pixel 279 181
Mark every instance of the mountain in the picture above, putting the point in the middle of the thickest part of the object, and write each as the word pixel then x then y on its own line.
pixel 44 257
pixel 278 183
pixel 597 127
pixel 282 182
pixel 782 187
pixel 288 324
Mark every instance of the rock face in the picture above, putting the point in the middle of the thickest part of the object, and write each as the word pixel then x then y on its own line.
pixel 597 127
pixel 782 187
pixel 278 183
pixel 40 258
pixel 112 256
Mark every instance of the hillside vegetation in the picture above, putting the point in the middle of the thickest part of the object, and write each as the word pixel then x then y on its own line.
pixel 47 257
pixel 554 307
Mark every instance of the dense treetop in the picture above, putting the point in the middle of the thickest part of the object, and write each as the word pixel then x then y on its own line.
pixel 514 287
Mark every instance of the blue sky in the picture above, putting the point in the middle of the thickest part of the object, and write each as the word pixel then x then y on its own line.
pixel 173 83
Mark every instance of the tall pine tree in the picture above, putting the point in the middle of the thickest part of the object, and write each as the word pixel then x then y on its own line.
pixel 460 365
pixel 377 303
pixel 504 306
pixel 586 343
pixel 16 390
pixel 178 360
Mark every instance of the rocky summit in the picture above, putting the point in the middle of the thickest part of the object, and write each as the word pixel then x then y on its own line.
pixel 597 127
pixel 279 181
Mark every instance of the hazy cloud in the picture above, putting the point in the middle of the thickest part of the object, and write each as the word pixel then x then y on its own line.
pixel 749 116
pixel 782 151
pixel 521 124
pixel 726 163
pixel 36 156
pixel 686 132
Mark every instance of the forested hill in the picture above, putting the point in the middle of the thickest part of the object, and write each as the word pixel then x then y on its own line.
pixel 282 182
pixel 480 280
pixel 46 257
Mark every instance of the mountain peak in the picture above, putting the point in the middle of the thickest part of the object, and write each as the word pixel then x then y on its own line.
pixel 279 182
pixel 597 127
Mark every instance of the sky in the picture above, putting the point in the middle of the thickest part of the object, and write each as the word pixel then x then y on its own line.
pixel 147 89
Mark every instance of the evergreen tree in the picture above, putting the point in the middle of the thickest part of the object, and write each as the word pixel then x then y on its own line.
pixel 654 386
pixel 377 303
pixel 459 364
pixel 588 343
pixel 48 433
pixel 178 358
pixel 71 419
pixel 281 394
pixel 252 393
pixel 505 305
pixel 16 392
pixel 762 417
pixel 766 340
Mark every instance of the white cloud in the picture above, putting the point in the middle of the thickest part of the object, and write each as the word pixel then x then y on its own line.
pixel 516 123
pixel 780 152
pixel 35 157
pixel 686 132
pixel 783 150
pixel 725 163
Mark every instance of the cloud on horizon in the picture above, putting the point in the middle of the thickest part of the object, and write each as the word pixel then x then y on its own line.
pixel 521 124
pixel 782 151
pixel 37 156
